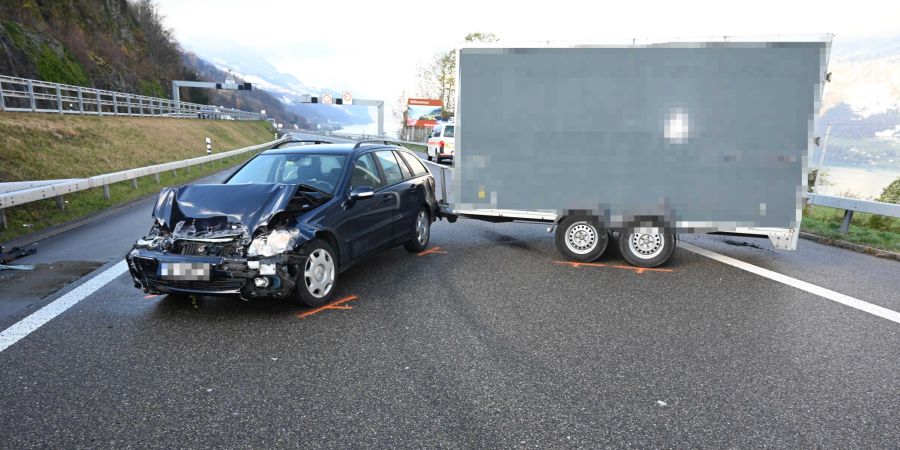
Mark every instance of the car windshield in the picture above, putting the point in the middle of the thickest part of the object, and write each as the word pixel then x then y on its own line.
pixel 319 171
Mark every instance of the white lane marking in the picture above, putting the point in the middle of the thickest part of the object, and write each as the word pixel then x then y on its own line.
pixel 38 318
pixel 847 300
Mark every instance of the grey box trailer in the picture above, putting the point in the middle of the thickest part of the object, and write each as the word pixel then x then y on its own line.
pixel 646 139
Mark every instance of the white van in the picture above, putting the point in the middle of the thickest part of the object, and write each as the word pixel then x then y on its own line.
pixel 442 143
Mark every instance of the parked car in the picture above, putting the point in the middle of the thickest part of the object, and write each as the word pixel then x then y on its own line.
pixel 442 143
pixel 286 223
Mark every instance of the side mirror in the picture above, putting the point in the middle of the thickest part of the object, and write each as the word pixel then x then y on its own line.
pixel 362 192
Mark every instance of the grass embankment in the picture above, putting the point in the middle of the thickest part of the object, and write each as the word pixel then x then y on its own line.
pixel 866 229
pixel 46 146
pixel 417 148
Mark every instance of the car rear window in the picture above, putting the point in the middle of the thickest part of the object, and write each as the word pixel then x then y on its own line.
pixel 417 167
pixel 390 166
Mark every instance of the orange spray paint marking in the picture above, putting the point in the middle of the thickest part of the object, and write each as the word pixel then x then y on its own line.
pixel 339 304
pixel 432 250
pixel 636 269
pixel 151 296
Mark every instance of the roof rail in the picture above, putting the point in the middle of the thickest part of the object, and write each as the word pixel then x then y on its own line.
pixel 295 141
pixel 375 141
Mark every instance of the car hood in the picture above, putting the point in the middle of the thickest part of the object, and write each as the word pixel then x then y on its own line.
pixel 220 209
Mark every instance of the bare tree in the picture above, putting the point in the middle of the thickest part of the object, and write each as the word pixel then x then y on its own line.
pixel 437 79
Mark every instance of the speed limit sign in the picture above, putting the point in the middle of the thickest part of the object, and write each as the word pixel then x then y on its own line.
pixel 326 99
pixel 347 98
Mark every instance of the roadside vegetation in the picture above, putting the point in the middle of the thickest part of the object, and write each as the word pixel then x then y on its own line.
pixel 46 146
pixel 865 229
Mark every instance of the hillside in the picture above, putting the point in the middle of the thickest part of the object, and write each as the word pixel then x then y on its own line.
pixel 119 45
pixel 862 102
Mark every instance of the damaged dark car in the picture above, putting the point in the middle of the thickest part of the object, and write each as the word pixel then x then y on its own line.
pixel 286 223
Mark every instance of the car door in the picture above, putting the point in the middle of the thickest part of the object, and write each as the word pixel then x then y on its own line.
pixel 367 224
pixel 399 189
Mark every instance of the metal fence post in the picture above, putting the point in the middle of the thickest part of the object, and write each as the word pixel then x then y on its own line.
pixel 59 99
pixel 134 183
pixel 140 106
pixel 99 106
pixel 80 101
pixel 2 103
pixel 60 202
pixel 3 218
pixel 845 226
pixel 128 101
pixel 156 175
pixel 31 96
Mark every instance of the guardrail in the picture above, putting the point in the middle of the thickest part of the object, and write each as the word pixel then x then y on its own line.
pixel 21 192
pixel 851 205
pixel 27 95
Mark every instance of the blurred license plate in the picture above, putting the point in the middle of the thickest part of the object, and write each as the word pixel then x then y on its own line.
pixel 185 271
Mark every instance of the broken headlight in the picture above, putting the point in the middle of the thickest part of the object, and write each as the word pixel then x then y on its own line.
pixel 152 239
pixel 275 242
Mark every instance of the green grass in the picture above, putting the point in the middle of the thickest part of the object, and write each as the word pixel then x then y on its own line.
pixel 866 229
pixel 39 215
pixel 416 148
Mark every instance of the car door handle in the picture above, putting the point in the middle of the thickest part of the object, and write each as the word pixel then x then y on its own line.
pixel 386 198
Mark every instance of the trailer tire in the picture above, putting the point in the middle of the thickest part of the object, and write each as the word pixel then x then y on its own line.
pixel 581 239
pixel 646 249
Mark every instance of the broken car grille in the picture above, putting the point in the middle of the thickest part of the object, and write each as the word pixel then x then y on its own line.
pixel 199 248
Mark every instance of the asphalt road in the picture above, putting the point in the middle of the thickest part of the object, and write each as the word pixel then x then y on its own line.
pixel 486 341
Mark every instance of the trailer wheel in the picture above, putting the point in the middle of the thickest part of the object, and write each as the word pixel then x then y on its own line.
pixel 581 239
pixel 646 249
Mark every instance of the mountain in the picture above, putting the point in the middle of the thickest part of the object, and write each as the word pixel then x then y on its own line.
pixel 862 102
pixel 249 66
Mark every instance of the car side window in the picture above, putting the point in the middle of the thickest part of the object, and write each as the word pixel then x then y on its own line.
pixel 448 131
pixel 390 166
pixel 417 167
pixel 437 132
pixel 403 167
pixel 365 173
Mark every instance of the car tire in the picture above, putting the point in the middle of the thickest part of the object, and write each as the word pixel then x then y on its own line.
pixel 421 232
pixel 428 152
pixel 581 239
pixel 646 249
pixel 317 275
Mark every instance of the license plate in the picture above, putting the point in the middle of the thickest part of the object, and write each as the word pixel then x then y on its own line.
pixel 185 271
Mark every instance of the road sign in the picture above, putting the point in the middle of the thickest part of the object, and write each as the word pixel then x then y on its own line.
pixel 326 99
pixel 347 98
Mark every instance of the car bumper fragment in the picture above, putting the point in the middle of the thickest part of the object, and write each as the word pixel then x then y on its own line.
pixel 227 276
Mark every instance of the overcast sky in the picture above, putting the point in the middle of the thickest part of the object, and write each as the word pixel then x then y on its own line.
pixel 372 47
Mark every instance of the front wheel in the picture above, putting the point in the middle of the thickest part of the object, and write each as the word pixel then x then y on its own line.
pixel 581 239
pixel 317 277
pixel 646 249
pixel 421 232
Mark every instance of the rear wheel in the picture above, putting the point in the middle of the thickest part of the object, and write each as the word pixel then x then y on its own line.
pixel 421 232
pixel 317 277
pixel 581 238
pixel 428 152
pixel 647 249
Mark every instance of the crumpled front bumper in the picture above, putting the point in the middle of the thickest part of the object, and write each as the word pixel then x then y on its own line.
pixel 228 276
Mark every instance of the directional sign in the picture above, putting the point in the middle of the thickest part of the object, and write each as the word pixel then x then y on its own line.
pixel 347 98
pixel 326 99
